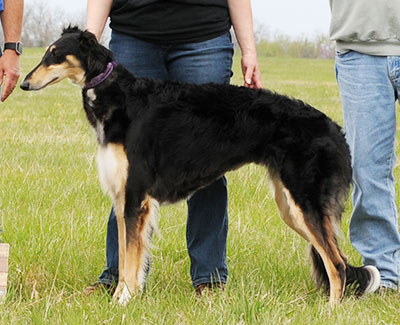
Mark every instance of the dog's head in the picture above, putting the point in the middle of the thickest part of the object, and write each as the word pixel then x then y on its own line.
pixel 76 55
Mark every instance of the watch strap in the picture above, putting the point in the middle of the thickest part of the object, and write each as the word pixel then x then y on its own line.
pixel 17 47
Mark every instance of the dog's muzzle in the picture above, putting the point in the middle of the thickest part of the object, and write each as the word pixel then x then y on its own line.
pixel 25 85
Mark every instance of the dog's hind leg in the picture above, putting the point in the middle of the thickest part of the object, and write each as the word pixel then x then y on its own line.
pixel 333 278
pixel 321 236
pixel 140 222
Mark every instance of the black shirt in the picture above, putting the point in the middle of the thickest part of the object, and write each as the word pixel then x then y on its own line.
pixel 171 22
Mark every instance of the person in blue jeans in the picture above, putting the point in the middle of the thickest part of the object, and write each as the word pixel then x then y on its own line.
pixel 186 40
pixel 367 35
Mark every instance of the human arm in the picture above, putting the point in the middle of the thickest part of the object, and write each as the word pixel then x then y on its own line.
pixel 242 20
pixel 11 20
pixel 96 16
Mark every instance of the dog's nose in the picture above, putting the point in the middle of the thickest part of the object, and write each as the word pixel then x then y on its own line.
pixel 24 85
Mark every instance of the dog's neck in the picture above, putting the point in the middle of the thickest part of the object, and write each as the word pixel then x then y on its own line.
pixel 101 77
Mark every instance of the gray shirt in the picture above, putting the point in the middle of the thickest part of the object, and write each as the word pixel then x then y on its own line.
pixel 366 26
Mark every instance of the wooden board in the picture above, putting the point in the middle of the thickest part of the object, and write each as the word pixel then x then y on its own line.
pixel 4 253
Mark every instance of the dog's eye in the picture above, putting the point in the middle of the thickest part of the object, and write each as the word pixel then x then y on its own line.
pixel 53 52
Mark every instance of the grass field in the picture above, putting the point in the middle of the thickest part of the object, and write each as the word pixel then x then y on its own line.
pixel 54 217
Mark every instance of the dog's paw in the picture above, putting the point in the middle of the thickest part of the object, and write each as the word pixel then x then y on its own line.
pixel 118 291
pixel 125 296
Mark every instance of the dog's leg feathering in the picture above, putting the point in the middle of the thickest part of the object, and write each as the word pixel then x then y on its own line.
pixel 139 231
pixel 321 238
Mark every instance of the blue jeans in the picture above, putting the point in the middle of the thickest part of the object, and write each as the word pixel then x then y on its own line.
pixel 207 223
pixel 369 87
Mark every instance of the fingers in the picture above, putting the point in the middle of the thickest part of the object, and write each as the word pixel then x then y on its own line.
pixel 257 78
pixel 248 75
pixel 1 76
pixel 251 72
pixel 9 73
pixel 252 77
pixel 9 84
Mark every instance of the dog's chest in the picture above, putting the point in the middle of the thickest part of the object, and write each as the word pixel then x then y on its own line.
pixel 96 121
pixel 112 164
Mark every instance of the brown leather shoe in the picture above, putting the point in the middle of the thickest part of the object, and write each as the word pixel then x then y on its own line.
pixel 207 287
pixel 98 287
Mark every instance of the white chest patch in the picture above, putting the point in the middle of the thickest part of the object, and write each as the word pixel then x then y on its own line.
pixel 113 165
pixel 100 132
pixel 91 94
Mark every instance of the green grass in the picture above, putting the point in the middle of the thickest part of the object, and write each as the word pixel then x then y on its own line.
pixel 54 216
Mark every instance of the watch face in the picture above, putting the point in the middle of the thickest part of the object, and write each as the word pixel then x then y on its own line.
pixel 19 48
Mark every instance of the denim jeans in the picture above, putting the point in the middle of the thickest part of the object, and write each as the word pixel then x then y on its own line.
pixel 207 223
pixel 369 87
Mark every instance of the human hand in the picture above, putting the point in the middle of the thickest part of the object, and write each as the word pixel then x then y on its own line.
pixel 250 70
pixel 9 73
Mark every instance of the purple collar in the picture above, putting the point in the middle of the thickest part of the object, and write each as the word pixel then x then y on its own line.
pixel 102 76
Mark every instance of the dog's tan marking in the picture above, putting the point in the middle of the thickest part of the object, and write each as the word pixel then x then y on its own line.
pixel 119 207
pixel 51 48
pixel 147 225
pixel 138 250
pixel 44 76
pixel 134 248
pixel 112 164
pixel 289 211
pixel 294 217
pixel 75 72
pixel 113 172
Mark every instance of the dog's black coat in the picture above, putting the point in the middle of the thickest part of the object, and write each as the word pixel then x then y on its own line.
pixel 180 137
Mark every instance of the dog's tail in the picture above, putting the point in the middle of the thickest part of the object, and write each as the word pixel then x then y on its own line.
pixel 359 280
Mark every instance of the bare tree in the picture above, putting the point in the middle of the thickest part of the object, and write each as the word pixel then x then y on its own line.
pixel 43 23
pixel 261 31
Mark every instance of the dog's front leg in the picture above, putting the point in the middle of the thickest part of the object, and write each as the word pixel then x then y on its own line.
pixel 119 207
pixel 113 173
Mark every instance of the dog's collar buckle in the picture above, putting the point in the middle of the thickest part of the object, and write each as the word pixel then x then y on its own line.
pixel 102 76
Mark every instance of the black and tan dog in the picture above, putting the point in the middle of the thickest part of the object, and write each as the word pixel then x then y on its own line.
pixel 161 141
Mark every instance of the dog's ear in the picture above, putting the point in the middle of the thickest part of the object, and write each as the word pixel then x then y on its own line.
pixel 87 40
pixel 95 53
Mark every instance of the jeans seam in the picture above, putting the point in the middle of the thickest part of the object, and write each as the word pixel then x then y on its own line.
pixel 388 284
pixel 388 172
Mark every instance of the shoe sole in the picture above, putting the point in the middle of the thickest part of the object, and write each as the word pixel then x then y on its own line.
pixel 375 280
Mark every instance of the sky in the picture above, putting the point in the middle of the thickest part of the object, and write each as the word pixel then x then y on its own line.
pixel 292 17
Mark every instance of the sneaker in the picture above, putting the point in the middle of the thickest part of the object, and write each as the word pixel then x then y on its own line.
pixel 363 280
pixel 98 287
pixel 374 279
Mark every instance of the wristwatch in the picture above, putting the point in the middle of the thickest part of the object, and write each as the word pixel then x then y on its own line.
pixel 17 47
